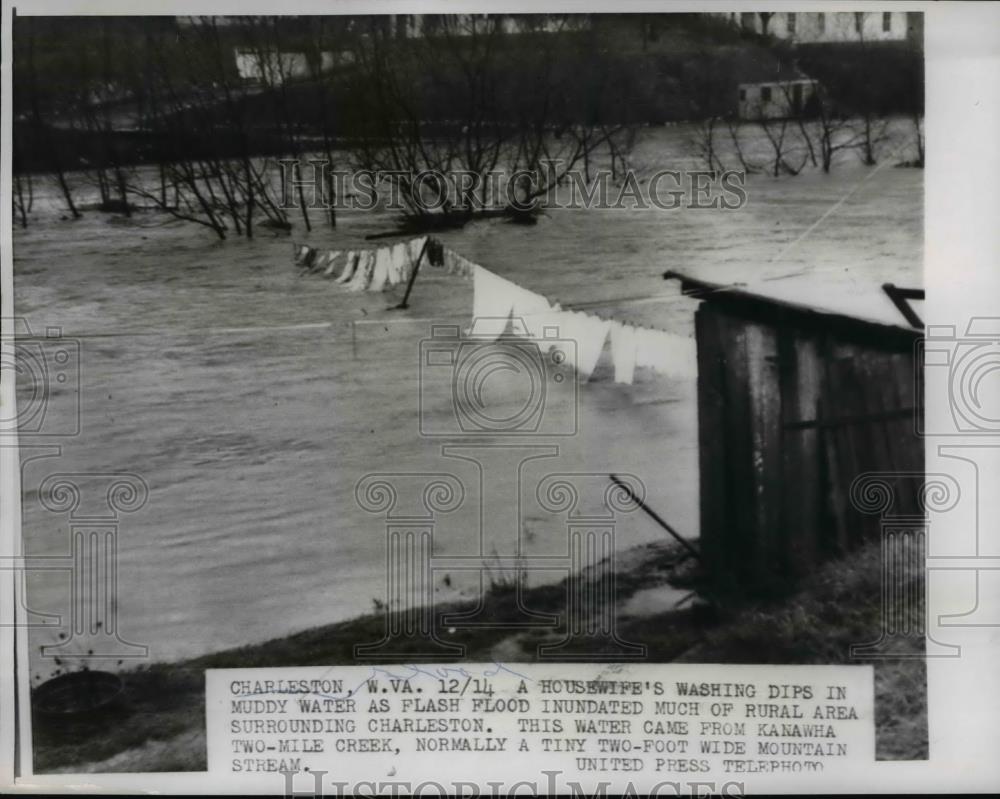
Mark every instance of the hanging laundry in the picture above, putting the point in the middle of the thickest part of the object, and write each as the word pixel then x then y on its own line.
pixel 322 262
pixel 468 268
pixel 363 274
pixel 543 326
pixel 415 247
pixel 451 260
pixel 591 342
pixel 667 353
pixel 331 262
pixel 393 277
pixel 588 334
pixel 350 265
pixel 380 270
pixel 527 307
pixel 458 265
pixel 300 251
pixel 434 252
pixel 359 280
pixel 318 262
pixel 624 345
pixel 398 272
pixel 492 302
pixel 308 256
pixel 646 348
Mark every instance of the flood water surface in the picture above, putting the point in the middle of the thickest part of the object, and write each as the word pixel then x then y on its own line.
pixel 251 400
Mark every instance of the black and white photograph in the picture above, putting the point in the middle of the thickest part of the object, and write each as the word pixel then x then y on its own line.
pixel 542 368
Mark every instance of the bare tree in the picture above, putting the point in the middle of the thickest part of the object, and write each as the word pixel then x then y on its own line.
pixel 797 106
pixel 873 131
pixel 263 38
pixel 872 128
pixel 835 132
pixel 704 138
pixel 97 92
pixel 750 167
pixel 776 129
pixel 915 73
pixel 41 129
pixel 200 113
pixel 326 46
pixel 708 90
pixel 917 120
pixel 23 182
pixel 22 197
pixel 469 98
pixel 783 147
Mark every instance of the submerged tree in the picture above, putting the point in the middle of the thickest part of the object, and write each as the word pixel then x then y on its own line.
pixel 197 107
pixel 470 97
pixel 30 102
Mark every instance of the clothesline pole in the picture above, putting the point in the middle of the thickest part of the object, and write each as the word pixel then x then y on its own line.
pixel 404 303
pixel 655 516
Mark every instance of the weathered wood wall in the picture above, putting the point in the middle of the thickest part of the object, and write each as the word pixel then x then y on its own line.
pixel 789 415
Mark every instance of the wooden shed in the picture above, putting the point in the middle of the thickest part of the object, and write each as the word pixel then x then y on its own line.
pixel 794 404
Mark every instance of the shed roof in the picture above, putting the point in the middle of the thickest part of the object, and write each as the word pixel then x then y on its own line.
pixel 784 313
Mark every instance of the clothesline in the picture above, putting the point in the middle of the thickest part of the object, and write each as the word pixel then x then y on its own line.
pixel 314 261
pixel 501 306
pixel 456 263
pixel 412 320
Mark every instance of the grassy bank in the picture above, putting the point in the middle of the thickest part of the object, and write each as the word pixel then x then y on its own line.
pixel 159 725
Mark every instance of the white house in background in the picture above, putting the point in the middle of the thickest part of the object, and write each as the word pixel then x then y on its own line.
pixel 829 26
pixel 775 99
pixel 273 68
pixel 270 67
pixel 766 87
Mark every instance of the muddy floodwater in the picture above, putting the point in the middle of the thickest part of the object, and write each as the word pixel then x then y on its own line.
pixel 251 400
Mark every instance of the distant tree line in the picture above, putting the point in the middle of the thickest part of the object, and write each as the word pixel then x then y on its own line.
pixel 152 111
